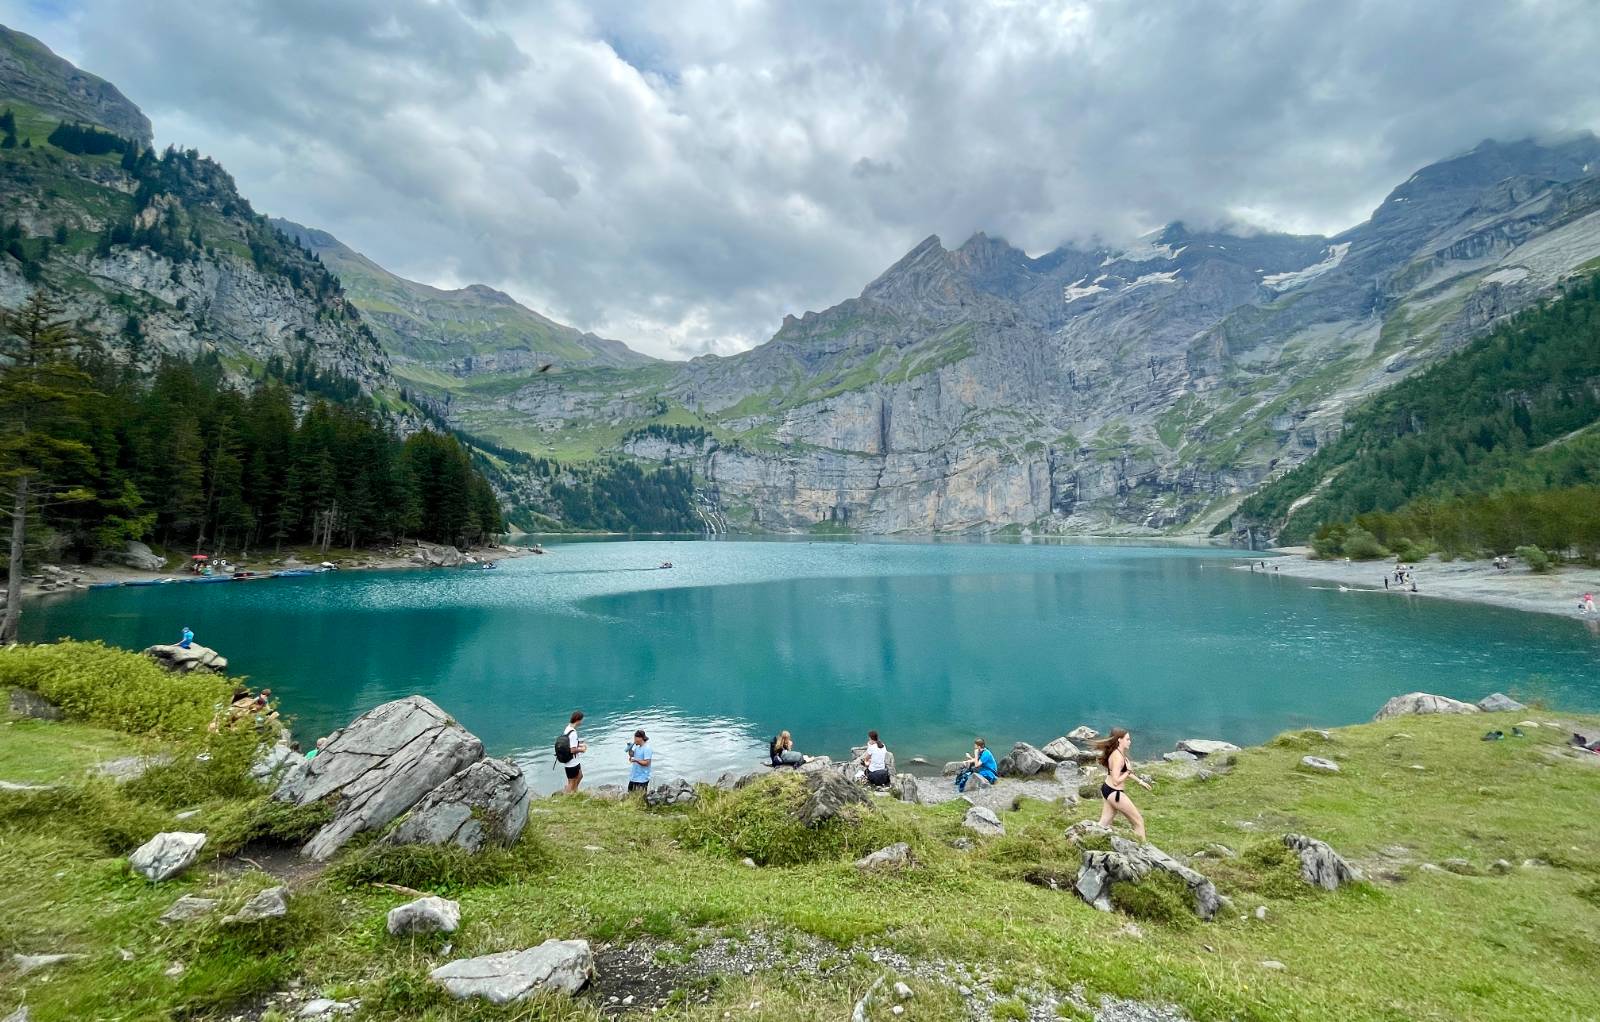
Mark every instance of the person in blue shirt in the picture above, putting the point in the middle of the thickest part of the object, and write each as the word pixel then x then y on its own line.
pixel 188 637
pixel 980 764
pixel 639 756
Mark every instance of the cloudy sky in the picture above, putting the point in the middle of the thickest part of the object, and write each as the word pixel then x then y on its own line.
pixel 680 175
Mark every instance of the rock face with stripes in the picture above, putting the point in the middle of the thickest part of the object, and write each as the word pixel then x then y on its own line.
pixel 377 767
pixel 487 803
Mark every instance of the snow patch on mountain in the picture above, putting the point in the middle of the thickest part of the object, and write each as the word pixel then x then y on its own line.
pixel 1298 278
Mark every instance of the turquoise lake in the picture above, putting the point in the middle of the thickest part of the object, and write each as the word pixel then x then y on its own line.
pixel 930 643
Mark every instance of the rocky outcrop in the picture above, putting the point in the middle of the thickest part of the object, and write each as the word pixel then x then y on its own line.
pixel 135 555
pixel 166 855
pixel 564 966
pixel 424 915
pixel 33 706
pixel 1130 863
pixel 1083 733
pixel 1205 746
pixel 183 661
pixel 672 793
pixel 434 555
pixel 906 790
pixel 1422 702
pixel 30 72
pixel 1320 865
pixel 378 766
pixel 828 796
pixel 1499 702
pixel 487 803
pixel 1320 765
pixel 1061 750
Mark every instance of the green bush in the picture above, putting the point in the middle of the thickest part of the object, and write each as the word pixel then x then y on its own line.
pixel 759 821
pixel 1159 898
pixel 1268 869
pixel 1361 545
pixel 117 689
pixel 209 767
pixel 232 825
pixel 1410 552
pixel 1536 560
pixel 96 811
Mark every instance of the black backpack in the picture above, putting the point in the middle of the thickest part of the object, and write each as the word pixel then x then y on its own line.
pixel 564 747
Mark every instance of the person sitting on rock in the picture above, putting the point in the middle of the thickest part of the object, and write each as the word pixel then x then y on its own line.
pixel 1114 757
pixel 782 752
pixel 876 760
pixel 186 639
pixel 979 765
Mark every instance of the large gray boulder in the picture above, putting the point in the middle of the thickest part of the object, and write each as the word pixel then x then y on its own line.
pixel 828 794
pixel 1499 702
pixel 1320 865
pixel 561 965
pixel 432 555
pixel 135 555
pixel 425 915
pixel 1422 702
pixel 166 855
pixel 378 766
pixel 1026 761
pixel 33 705
pixel 1061 750
pixel 1129 863
pixel 483 804
pixel 905 789
pixel 182 661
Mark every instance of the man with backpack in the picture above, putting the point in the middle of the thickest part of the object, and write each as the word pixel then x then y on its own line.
pixel 568 748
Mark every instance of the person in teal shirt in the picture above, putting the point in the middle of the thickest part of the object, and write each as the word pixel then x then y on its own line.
pixel 639 757
pixel 980 764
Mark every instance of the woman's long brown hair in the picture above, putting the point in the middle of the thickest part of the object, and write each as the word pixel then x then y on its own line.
pixel 1108 743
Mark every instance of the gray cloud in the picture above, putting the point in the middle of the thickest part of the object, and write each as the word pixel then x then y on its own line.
pixel 681 175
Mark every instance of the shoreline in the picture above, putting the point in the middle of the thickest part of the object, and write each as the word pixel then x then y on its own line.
pixel 87 575
pixel 1480 582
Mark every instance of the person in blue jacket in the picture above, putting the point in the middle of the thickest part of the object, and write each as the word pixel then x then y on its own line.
pixel 980 764
pixel 188 637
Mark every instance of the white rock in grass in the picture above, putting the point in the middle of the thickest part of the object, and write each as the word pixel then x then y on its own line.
pixel 1326 766
pixel 1422 702
pixel 1206 746
pixel 166 855
pixel 425 915
pixel 33 963
pixel 983 821
pixel 560 965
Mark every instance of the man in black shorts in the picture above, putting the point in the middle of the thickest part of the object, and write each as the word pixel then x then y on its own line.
pixel 579 747
pixel 639 756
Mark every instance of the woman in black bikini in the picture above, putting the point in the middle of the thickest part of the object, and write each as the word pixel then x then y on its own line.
pixel 1114 757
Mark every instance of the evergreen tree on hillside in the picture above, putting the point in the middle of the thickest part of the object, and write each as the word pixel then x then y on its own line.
pixel 43 448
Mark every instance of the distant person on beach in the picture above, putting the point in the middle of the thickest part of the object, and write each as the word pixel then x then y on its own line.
pixel 186 639
pixel 979 765
pixel 639 756
pixel 1114 757
pixel 876 761
pixel 1386 581
pixel 782 752
pixel 568 748
pixel 1586 605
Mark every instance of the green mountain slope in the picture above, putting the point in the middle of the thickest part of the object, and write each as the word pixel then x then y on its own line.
pixel 437 338
pixel 30 73
pixel 1512 417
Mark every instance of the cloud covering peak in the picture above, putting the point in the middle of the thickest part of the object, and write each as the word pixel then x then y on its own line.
pixel 681 175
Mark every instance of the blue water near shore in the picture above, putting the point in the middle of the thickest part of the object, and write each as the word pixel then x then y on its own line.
pixel 930 643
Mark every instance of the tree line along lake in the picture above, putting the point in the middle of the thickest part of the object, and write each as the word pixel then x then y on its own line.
pixel 931 643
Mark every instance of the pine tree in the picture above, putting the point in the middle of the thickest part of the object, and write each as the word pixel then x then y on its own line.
pixel 43 393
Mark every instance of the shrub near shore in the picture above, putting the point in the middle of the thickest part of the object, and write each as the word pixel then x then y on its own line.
pixel 666 889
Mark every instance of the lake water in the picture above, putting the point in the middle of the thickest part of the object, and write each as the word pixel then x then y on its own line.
pixel 930 643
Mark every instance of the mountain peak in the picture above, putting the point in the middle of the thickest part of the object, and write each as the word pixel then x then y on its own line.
pixel 33 74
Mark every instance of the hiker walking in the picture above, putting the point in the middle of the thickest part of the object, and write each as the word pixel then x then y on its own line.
pixel 1114 757
pixel 568 748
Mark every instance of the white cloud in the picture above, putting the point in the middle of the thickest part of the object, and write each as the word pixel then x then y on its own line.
pixel 681 175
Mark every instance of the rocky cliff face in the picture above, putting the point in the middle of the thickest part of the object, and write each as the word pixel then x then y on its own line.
pixel 30 73
pixel 1095 390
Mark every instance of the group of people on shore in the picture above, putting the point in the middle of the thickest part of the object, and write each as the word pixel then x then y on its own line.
pixel 1403 578
pixel 978 768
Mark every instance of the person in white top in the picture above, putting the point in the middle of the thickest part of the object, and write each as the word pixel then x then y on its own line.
pixel 876 760
pixel 577 748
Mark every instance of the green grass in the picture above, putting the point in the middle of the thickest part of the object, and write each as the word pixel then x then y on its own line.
pixel 44 751
pixel 1416 945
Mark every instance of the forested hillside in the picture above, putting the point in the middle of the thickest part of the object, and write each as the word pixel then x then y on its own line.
pixel 1496 447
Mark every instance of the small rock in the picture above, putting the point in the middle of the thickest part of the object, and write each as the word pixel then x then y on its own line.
pixel 175 969
pixel 22 1014
pixel 963 844
pixel 1061 750
pixel 124 954
pixel 322 1006
pixel 747 861
pixel 1206 746
pixel 1320 865
pixel 902 992
pixel 1083 733
pixel 1528 724
pixel 271 903
pixel 186 908
pixel 166 855
pixel 1499 702
pixel 894 857
pixel 898 1009
pixel 425 915
pixel 983 821
pixel 1461 867
pixel 1261 911
pixel 673 793
pixel 1422 702
pixel 187 814
pixel 33 963
pixel 1179 756
pixel 1326 766
pixel 964 990
pixel 906 786
pixel 1273 965
pixel 1500 866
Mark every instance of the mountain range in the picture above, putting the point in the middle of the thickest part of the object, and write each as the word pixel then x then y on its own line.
pixel 1142 388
